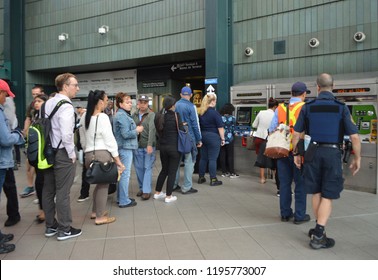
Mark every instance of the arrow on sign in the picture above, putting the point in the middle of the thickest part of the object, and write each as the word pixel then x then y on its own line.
pixel 210 89
pixel 173 68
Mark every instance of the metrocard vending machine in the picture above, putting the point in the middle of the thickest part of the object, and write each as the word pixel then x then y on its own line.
pixel 361 98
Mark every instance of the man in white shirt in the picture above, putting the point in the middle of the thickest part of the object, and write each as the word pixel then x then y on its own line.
pixel 59 178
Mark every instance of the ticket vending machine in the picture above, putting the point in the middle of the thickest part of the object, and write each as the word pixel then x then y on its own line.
pixel 360 95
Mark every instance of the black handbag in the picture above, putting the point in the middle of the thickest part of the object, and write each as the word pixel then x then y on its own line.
pixel 101 172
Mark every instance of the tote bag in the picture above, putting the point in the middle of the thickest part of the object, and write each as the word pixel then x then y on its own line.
pixel 184 141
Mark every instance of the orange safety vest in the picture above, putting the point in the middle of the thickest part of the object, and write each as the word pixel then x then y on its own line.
pixel 294 110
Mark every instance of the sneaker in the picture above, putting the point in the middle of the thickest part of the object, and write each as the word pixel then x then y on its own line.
pixel 226 174
pixel 73 232
pixel 6 238
pixel 278 193
pixel 201 180
pixel 321 242
pixel 160 195
pixel 6 248
pixel 51 231
pixel 234 176
pixel 170 199
pixel 36 201
pixel 190 191
pixel 215 182
pixel 82 198
pixel 28 191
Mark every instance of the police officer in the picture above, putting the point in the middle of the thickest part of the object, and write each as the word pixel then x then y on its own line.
pixel 326 120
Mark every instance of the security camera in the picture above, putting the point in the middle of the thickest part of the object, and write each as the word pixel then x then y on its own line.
pixel 313 43
pixel 248 51
pixel 103 29
pixel 359 37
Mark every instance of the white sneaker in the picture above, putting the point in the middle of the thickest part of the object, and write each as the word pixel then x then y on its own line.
pixel 36 201
pixel 171 199
pixel 160 195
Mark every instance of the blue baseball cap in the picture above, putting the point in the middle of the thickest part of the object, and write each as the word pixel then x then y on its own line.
pixel 299 87
pixel 186 91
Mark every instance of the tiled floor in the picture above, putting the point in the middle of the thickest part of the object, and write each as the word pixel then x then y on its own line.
pixel 238 220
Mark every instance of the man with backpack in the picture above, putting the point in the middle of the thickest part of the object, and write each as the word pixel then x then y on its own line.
pixel 59 178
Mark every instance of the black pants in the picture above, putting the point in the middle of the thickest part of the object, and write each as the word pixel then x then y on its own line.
pixel 84 191
pixel 170 160
pixel 10 191
pixel 226 158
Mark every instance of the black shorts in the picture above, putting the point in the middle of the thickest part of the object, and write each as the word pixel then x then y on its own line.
pixel 324 173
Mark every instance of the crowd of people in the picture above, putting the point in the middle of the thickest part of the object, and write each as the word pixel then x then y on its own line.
pixel 106 132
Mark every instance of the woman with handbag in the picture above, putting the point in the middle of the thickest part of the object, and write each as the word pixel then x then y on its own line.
pixel 126 133
pixel 262 123
pixel 99 144
pixel 167 123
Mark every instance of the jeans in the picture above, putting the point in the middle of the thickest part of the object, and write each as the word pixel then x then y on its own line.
pixel 209 153
pixel 188 172
pixel 126 157
pixel 143 164
pixel 2 178
pixel 287 171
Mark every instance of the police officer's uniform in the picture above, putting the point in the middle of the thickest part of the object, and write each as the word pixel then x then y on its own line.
pixel 326 120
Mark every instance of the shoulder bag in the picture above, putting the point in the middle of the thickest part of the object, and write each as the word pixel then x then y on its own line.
pixel 101 172
pixel 278 142
pixel 184 141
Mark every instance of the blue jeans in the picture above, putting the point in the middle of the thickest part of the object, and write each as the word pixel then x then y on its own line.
pixel 188 172
pixel 143 164
pixel 126 157
pixel 2 178
pixel 209 153
pixel 287 172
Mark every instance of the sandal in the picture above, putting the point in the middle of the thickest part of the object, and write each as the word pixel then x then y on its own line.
pixel 93 215
pixel 107 221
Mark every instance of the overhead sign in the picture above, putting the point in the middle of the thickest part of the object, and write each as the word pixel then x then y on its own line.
pixel 186 66
pixel 111 82
pixel 211 85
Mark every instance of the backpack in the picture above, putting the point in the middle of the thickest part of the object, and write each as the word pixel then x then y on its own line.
pixel 39 151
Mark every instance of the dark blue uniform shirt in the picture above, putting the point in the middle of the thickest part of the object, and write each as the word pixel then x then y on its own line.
pixel 349 127
pixel 211 121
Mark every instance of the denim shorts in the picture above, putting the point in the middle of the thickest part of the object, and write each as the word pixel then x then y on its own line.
pixel 324 173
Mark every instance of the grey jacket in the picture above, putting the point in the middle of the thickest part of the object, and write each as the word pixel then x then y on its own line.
pixel 148 135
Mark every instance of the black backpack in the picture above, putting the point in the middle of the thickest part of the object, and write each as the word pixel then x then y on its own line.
pixel 40 152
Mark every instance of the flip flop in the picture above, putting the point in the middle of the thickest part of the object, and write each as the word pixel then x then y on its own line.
pixel 107 221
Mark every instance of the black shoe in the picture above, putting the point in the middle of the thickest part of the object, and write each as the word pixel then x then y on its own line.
pixel 215 182
pixel 12 221
pixel 311 232
pixel 131 204
pixel 321 242
pixel 201 180
pixel 51 231
pixel 190 191
pixel 82 198
pixel 6 248
pixel 139 193
pixel 73 232
pixel 286 218
pixel 304 220
pixel 177 188
pixel 6 237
